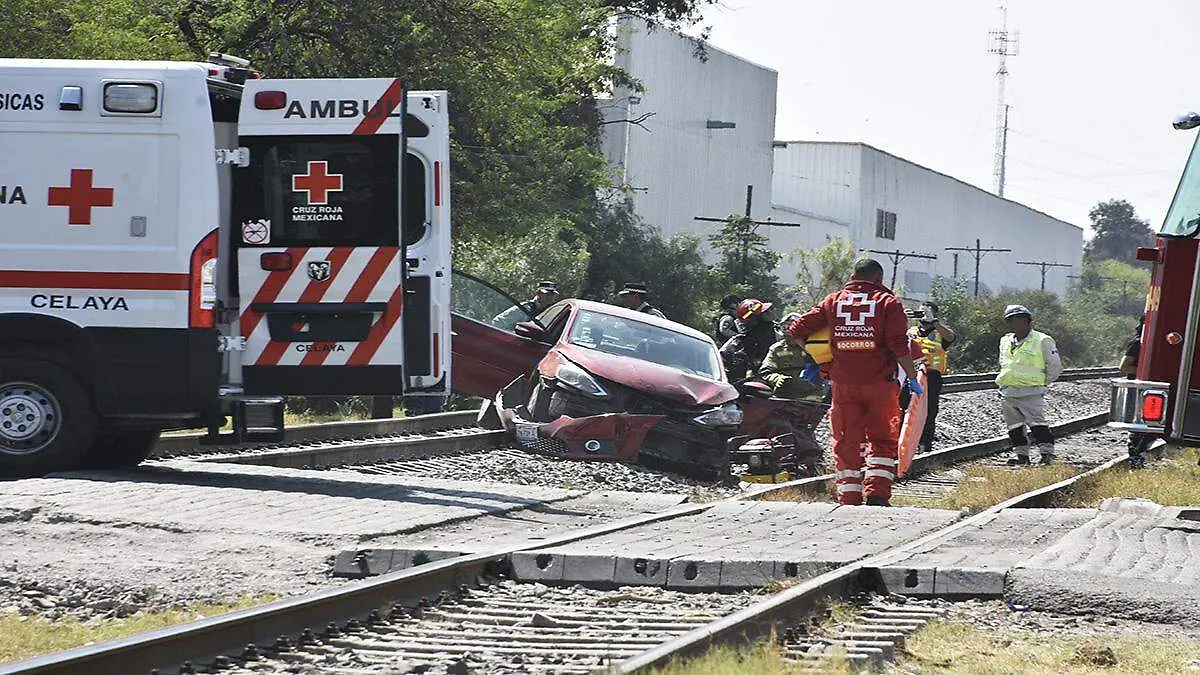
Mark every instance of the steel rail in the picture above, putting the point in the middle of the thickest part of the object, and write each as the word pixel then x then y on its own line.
pixel 962 382
pixel 336 453
pixel 769 617
pixel 931 461
pixel 328 431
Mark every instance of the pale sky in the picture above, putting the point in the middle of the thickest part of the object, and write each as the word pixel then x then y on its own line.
pixel 1093 90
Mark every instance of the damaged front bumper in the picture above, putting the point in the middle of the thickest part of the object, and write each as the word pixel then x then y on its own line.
pixel 604 437
pixel 613 436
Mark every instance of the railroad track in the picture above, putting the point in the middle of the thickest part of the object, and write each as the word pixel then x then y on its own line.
pixel 311 446
pixel 368 624
pixel 374 429
pixel 960 382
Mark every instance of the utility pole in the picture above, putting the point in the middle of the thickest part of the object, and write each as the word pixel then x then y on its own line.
pixel 896 256
pixel 1043 265
pixel 753 226
pixel 1003 44
pixel 979 253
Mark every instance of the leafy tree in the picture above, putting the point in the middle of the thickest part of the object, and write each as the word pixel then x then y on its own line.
pixel 747 263
pixel 1111 287
pixel 1118 232
pixel 1086 335
pixel 623 249
pixel 822 271
pixel 516 263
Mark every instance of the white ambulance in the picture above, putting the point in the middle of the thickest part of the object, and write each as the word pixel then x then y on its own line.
pixel 181 242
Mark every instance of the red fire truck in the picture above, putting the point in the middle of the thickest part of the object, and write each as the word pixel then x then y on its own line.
pixel 1164 399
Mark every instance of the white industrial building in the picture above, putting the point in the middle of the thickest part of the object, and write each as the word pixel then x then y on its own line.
pixel 705 136
pixel 882 202
pixel 703 130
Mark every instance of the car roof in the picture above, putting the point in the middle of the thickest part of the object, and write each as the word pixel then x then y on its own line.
pixel 633 315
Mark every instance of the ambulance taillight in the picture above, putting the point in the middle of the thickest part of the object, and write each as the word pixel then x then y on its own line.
pixel 203 290
pixel 270 100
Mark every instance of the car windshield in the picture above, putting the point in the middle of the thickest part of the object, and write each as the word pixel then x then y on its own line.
pixel 626 337
pixel 1183 220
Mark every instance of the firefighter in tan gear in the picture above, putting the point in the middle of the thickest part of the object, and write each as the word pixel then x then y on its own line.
pixel 928 342
pixel 1029 362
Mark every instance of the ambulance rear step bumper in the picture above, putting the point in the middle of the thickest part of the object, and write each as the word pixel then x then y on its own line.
pixel 256 419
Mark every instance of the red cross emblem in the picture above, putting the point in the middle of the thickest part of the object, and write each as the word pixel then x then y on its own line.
pixel 856 309
pixel 318 183
pixel 80 197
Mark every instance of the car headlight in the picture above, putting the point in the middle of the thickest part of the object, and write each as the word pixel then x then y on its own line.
pixel 728 415
pixel 578 379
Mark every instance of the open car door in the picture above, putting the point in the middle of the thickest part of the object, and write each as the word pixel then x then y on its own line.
pixel 487 353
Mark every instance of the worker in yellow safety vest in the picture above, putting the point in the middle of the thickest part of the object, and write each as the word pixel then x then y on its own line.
pixel 928 341
pixel 1029 362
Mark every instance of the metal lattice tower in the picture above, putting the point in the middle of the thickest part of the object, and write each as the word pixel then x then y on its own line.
pixel 1004 44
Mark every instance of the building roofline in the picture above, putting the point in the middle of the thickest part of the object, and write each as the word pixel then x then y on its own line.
pixel 707 44
pixel 946 175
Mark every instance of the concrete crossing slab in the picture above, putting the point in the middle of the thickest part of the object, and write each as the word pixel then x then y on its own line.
pixel 526 526
pixel 1133 558
pixel 734 545
pixel 977 560
pixel 194 496
pixel 1128 558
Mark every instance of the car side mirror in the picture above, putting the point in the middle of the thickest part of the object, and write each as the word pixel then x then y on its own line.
pixel 531 331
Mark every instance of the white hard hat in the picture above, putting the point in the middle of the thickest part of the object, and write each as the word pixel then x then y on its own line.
pixel 1017 310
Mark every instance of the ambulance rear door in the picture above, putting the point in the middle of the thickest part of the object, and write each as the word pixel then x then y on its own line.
pixel 317 234
pixel 427 237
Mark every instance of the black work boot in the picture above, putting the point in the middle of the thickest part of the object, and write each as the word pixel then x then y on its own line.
pixel 1022 458
pixel 878 501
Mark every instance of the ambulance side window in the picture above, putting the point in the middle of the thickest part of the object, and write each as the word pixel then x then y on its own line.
pixel 416 214
pixel 319 191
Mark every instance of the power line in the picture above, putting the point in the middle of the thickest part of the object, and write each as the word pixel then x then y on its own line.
pixel 896 256
pixel 979 253
pixel 1081 152
pixel 1043 265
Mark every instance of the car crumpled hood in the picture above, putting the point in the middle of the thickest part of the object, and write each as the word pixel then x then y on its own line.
pixel 650 378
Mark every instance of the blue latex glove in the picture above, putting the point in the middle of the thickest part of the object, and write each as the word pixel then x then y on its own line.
pixel 812 373
pixel 914 386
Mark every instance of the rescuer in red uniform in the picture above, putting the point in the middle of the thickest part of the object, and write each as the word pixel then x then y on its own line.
pixel 868 338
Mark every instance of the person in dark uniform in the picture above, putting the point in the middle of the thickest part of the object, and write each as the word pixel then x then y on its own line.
pixel 1138 442
pixel 928 341
pixel 727 322
pixel 633 296
pixel 544 295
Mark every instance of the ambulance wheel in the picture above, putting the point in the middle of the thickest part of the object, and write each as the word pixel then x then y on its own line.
pixel 46 418
pixel 120 449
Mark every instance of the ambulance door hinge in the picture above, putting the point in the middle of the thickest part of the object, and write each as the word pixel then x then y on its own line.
pixel 234 156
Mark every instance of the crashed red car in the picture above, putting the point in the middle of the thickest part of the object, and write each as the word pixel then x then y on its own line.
pixel 591 380
pixel 658 384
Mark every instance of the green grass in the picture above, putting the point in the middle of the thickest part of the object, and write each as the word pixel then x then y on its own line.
pixel 958 647
pixel 762 659
pixel 25 637
pixel 985 486
pixel 1173 481
pixel 291 419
